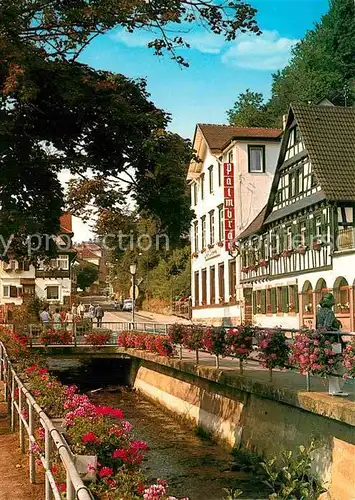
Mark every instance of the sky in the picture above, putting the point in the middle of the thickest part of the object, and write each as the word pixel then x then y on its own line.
pixel 218 71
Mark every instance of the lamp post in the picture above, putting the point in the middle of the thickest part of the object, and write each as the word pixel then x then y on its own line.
pixel 133 269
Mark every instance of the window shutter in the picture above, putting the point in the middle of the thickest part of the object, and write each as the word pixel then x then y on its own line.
pixel 309 226
pixel 324 226
pixel 296 300
pixel 263 301
pixel 285 299
pixel 273 300
pixel 13 291
pixel 254 302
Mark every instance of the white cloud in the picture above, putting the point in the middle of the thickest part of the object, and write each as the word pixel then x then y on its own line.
pixel 203 41
pixel 269 51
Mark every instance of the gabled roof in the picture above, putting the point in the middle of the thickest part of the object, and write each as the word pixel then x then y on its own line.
pixel 329 136
pixel 66 223
pixel 219 136
pixel 328 133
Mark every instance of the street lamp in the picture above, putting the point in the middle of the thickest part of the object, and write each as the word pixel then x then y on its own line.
pixel 133 270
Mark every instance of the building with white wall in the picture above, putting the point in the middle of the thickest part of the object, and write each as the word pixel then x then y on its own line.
pixel 48 279
pixel 230 183
pixel 303 242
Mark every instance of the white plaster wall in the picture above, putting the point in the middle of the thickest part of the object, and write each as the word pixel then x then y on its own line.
pixel 343 266
pixel 217 312
pixel 64 288
pixel 284 321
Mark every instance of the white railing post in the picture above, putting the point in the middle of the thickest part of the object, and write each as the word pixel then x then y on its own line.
pixel 12 402
pixel 21 427
pixel 32 464
pixel 70 488
pixel 47 462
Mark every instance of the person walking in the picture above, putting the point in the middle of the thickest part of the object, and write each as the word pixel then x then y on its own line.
pixel 45 318
pixel 69 320
pixel 99 314
pixel 74 309
pixel 81 310
pixel 91 312
pixel 57 320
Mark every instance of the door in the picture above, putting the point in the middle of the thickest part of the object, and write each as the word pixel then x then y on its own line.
pixel 248 305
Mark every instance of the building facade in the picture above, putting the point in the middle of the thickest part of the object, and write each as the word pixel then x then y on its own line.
pixel 96 254
pixel 229 184
pixel 48 279
pixel 302 242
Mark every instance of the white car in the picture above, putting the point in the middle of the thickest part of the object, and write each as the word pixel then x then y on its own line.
pixel 127 305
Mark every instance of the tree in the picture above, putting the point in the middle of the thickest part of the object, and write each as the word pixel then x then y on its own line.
pixel 322 64
pixel 86 275
pixel 249 110
pixel 57 114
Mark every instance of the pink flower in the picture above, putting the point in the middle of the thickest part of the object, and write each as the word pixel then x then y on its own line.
pixel 91 468
pixel 127 427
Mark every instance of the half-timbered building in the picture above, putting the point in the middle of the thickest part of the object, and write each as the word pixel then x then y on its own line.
pixel 302 242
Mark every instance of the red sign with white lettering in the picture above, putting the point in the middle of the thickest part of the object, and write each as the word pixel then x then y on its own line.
pixel 229 205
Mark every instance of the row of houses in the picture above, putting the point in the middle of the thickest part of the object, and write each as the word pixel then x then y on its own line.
pixel 53 280
pixel 292 218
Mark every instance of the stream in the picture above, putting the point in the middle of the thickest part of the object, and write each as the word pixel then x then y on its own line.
pixel 194 466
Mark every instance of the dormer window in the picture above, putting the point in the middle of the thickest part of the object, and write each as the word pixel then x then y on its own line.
pixel 256 159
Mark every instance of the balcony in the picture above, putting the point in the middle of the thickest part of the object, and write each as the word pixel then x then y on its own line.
pixel 346 239
pixel 52 273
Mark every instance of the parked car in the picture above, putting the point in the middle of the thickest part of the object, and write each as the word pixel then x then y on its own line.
pixel 127 305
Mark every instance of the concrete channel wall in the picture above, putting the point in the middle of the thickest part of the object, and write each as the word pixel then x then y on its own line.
pixel 254 415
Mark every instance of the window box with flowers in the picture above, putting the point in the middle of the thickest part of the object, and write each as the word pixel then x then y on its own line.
pixel 254 268
pixel 194 255
pixel 275 257
pixel 343 308
pixel 301 250
pixel 232 299
pixel 221 300
pixel 287 253
pixel 210 245
pixel 263 263
pixel 220 244
pixel 203 250
pixel 245 270
pixel 317 246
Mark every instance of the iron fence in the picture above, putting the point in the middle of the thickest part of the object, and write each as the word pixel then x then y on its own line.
pixel 26 413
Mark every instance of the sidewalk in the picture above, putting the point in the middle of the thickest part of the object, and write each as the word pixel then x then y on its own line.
pixel 14 479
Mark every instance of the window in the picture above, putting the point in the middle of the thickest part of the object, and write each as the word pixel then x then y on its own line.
pixel 303 235
pixel 292 299
pixel 23 265
pixel 202 180
pixel 212 227
pixel 221 283
pixel 10 291
pixel 52 292
pixel 62 262
pixel 279 307
pixel 212 285
pixel 230 157
pixel 220 223
pixel 268 301
pixel 194 189
pixel 232 280
pixel 289 242
pixel 197 288
pixel 195 236
pixel 256 156
pixel 204 286
pixel 318 229
pixel 210 178
pixel 203 232
pixel 219 174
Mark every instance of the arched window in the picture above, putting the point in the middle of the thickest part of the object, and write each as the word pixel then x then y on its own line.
pixel 321 287
pixel 307 299
pixel 341 292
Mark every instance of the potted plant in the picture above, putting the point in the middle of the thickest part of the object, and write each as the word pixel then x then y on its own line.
pixel 317 245
pixel 274 350
pixel 203 250
pixel 245 269
pixel 239 343
pixel 301 250
pixel 263 263
pixel 287 253
pixel 210 245
pixel 220 243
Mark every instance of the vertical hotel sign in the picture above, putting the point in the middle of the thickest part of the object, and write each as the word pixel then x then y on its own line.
pixel 229 208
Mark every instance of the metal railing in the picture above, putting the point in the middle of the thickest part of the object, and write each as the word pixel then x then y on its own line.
pixel 26 412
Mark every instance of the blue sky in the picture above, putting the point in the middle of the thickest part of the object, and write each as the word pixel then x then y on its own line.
pixel 218 71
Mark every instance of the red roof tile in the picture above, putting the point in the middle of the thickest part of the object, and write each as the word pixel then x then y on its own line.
pixel 66 223
pixel 218 136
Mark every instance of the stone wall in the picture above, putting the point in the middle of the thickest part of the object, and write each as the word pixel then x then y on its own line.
pixel 255 417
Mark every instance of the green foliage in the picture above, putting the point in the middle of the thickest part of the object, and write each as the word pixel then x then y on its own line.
pixel 86 275
pixel 232 494
pixel 322 66
pixel 294 480
pixel 249 110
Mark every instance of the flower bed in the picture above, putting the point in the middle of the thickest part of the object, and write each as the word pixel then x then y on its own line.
pixel 98 338
pixel 349 360
pixel 158 344
pixel 56 337
pixel 100 432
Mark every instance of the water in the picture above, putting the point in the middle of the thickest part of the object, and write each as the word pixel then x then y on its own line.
pixel 193 465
